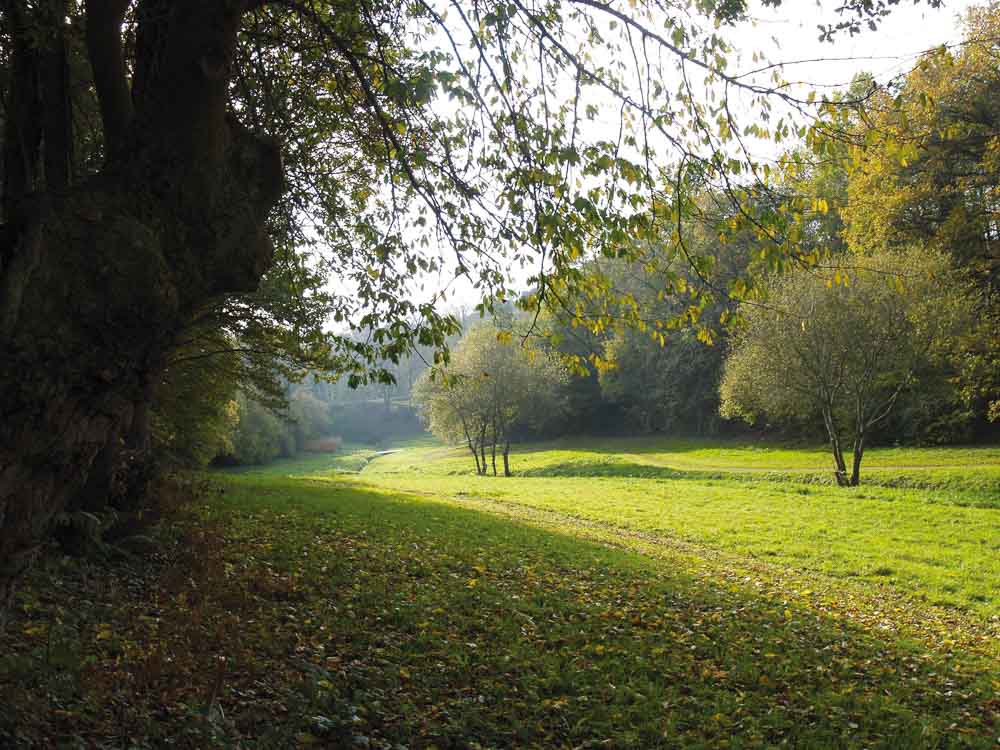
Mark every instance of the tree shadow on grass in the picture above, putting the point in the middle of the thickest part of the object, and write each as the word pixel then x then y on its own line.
pixel 350 616
pixel 568 640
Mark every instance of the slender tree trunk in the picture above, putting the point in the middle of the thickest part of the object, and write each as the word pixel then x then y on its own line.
pixel 97 279
pixel 838 453
pixel 838 459
pixel 493 444
pixel 482 450
pixel 859 449
pixel 472 445
pixel 506 459
pixel 475 452
pixel 475 456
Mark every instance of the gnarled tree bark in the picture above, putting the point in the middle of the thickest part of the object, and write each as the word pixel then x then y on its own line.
pixel 99 277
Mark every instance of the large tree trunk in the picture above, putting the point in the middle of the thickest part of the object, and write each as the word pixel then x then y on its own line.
pixel 123 468
pixel 98 279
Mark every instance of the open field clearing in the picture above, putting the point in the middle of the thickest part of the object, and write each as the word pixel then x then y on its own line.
pixel 410 606
pixel 936 540
pixel 972 473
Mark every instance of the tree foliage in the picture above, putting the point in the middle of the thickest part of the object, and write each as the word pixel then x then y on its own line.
pixel 492 392
pixel 841 344
pixel 923 170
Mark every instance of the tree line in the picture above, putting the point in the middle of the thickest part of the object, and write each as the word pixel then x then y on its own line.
pixel 882 325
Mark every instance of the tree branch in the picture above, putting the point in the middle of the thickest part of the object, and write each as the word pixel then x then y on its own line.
pixel 104 46
pixel 57 118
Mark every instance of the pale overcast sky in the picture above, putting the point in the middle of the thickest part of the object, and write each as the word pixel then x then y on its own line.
pixel 909 30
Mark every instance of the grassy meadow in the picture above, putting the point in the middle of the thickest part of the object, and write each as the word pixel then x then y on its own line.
pixel 612 594
pixel 933 533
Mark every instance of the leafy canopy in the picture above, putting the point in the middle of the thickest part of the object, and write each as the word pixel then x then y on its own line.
pixel 502 142
pixel 839 345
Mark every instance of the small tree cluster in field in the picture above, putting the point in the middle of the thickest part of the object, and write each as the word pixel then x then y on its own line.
pixel 842 343
pixel 496 389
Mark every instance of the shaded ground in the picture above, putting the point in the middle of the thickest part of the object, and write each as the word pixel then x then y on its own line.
pixel 328 612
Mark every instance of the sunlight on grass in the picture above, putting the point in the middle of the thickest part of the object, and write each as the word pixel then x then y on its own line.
pixel 473 626
pixel 937 539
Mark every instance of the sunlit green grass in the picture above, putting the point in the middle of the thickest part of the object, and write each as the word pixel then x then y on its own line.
pixel 960 476
pixel 352 457
pixel 437 625
pixel 741 454
pixel 972 468
pixel 946 554
pixel 936 538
